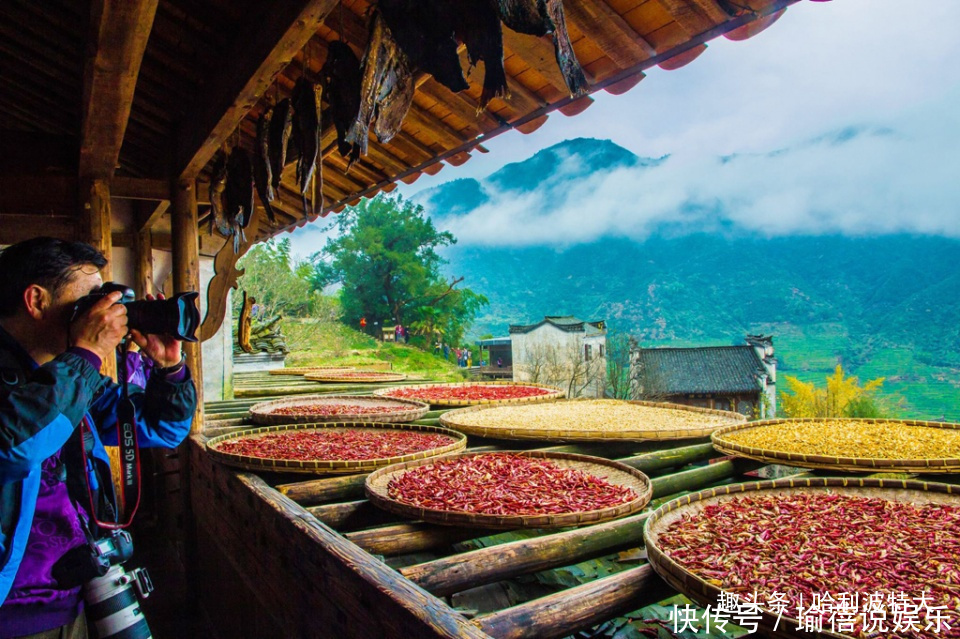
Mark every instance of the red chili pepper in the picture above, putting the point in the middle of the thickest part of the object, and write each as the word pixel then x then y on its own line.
pixel 336 409
pixel 505 484
pixel 468 393
pixel 323 445
pixel 814 543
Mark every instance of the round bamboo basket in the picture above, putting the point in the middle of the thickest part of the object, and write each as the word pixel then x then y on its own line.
pixel 330 466
pixel 356 377
pixel 853 464
pixel 515 427
pixel 555 393
pixel 304 370
pixel 611 471
pixel 705 593
pixel 264 412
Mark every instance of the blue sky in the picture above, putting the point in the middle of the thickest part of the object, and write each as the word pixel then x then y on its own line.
pixel 886 70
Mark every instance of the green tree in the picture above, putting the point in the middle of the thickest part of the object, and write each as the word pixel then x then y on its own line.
pixel 277 284
pixel 385 259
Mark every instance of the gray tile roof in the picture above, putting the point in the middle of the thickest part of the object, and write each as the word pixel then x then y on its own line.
pixel 567 323
pixel 714 369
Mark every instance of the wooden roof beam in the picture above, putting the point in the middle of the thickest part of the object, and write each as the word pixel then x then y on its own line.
pixel 119 33
pixel 611 33
pixel 258 54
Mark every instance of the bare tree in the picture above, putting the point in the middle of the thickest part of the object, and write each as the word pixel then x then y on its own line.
pixel 565 366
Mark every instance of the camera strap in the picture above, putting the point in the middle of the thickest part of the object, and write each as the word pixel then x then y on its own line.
pixel 129 498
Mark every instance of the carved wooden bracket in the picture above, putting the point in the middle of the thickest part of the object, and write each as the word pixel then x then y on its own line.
pixel 224 278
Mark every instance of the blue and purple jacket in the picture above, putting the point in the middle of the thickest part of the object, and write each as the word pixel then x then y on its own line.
pixel 40 448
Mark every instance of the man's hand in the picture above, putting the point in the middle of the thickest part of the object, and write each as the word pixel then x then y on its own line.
pixel 164 350
pixel 102 328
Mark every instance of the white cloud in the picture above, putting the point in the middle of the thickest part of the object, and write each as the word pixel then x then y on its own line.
pixel 901 177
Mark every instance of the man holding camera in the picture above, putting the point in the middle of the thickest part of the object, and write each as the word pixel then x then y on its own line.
pixel 56 414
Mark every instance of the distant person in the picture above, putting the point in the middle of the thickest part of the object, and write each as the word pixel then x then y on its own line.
pixel 446 352
pixel 469 359
pixel 499 362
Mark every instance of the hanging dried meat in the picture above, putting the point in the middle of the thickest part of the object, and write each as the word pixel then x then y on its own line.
pixel 342 78
pixel 538 18
pixel 238 194
pixel 477 26
pixel 386 90
pixel 281 126
pixel 218 183
pixel 424 30
pixel 262 175
pixel 306 128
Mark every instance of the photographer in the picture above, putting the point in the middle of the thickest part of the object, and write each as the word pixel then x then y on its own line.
pixel 56 414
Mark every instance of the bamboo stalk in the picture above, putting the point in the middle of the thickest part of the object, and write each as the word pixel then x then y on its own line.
pixel 693 479
pixel 672 458
pixel 408 538
pixel 495 563
pixel 320 490
pixel 351 514
pixel 566 612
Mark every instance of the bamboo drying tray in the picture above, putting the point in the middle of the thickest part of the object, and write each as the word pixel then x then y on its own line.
pixel 330 466
pixel 303 370
pixel 371 377
pixel 515 426
pixel 613 472
pixel 853 464
pixel 555 393
pixel 263 412
pixel 705 593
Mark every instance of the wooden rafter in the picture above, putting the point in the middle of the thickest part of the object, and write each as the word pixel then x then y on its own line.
pixel 615 37
pixel 257 56
pixel 695 16
pixel 120 29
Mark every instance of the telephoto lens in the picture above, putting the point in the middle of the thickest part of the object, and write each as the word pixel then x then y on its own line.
pixel 113 610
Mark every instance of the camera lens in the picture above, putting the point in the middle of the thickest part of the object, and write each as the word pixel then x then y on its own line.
pixel 112 606
pixel 177 316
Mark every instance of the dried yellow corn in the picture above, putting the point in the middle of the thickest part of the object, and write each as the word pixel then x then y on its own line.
pixel 852 438
pixel 601 415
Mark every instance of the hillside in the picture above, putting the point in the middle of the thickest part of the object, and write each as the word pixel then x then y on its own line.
pixel 885 306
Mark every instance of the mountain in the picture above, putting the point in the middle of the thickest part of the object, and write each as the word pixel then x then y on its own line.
pixel 885 306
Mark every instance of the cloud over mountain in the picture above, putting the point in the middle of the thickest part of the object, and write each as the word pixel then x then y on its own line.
pixel 862 180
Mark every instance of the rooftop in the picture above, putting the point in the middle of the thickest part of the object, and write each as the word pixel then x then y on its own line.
pixel 711 369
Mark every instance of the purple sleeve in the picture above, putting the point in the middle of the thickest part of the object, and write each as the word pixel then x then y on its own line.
pixel 89 356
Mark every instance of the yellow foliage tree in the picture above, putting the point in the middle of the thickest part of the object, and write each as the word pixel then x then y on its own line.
pixel 842 397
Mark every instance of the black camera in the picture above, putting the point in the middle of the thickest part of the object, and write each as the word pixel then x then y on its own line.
pixel 109 591
pixel 178 316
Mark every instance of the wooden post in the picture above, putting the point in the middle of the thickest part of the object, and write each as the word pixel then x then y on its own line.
pixel 186 273
pixel 143 248
pixel 95 230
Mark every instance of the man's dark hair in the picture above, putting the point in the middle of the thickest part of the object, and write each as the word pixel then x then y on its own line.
pixel 45 261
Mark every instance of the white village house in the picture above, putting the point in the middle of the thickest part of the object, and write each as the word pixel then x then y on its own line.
pixel 561 351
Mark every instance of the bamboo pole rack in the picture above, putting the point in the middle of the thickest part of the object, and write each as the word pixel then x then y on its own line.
pixel 278 531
